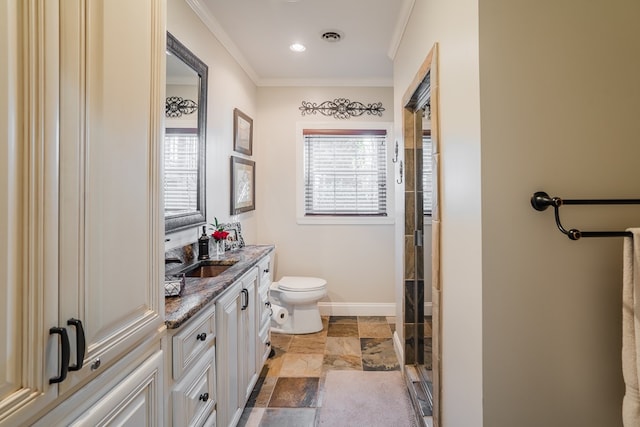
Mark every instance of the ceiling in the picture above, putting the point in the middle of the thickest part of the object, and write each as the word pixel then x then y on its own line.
pixel 258 34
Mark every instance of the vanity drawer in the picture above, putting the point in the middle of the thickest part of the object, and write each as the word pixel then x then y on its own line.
pixel 265 317
pixel 196 337
pixel 194 398
pixel 265 307
pixel 265 271
pixel 264 343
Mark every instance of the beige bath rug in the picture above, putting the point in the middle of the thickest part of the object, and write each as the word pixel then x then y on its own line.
pixel 366 398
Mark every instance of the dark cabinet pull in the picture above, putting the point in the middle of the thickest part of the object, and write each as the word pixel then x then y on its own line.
pixel 81 344
pixel 64 360
pixel 201 337
pixel 268 343
pixel 204 397
pixel 245 303
pixel 266 270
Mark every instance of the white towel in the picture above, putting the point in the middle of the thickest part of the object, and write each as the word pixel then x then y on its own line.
pixel 631 330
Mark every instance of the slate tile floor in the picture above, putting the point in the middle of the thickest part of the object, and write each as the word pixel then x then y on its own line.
pixel 291 385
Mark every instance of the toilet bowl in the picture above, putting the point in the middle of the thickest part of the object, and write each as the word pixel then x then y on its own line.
pixel 299 296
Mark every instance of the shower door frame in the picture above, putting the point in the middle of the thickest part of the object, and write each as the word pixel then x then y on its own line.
pixel 424 89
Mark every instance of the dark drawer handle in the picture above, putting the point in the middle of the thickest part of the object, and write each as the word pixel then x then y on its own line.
pixel 204 397
pixel 202 336
pixel 64 359
pixel 81 345
pixel 266 271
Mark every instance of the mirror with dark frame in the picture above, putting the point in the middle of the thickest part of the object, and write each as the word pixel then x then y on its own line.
pixel 184 141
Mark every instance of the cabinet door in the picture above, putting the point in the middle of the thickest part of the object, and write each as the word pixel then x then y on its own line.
pixel 135 402
pixel 111 223
pixel 194 397
pixel 249 334
pixel 28 207
pixel 236 324
pixel 229 355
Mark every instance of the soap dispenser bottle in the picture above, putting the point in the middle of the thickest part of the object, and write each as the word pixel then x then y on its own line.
pixel 203 244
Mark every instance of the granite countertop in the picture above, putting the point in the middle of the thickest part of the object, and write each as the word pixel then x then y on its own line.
pixel 199 292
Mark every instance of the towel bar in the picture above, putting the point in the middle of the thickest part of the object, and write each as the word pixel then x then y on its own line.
pixel 540 201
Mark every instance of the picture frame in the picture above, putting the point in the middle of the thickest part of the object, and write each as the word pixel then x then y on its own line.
pixel 242 132
pixel 243 185
pixel 234 240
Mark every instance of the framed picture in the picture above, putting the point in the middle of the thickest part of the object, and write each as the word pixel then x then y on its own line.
pixel 243 185
pixel 242 132
pixel 234 240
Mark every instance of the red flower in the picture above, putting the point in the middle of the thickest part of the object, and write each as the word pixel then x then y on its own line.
pixel 220 235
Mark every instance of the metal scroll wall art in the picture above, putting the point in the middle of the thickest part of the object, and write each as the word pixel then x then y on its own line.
pixel 176 106
pixel 342 108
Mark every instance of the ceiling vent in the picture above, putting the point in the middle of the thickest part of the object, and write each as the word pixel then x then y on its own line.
pixel 331 36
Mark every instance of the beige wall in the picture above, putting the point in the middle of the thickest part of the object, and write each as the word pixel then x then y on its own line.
pixel 560 97
pixel 531 319
pixel 356 260
pixel 229 88
pixel 453 24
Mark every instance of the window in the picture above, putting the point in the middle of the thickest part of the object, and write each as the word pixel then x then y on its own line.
pixel 345 172
pixel 427 172
pixel 181 171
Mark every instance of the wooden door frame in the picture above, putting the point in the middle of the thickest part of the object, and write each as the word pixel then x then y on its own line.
pixel 411 101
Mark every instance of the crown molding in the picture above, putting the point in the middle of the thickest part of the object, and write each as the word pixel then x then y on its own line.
pixel 401 25
pixel 325 82
pixel 216 29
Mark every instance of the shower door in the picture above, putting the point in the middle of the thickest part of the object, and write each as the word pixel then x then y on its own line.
pixel 421 270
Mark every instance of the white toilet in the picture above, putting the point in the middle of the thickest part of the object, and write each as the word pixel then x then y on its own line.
pixel 299 296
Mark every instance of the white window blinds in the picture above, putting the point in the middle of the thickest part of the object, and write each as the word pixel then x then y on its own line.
pixel 427 172
pixel 345 172
pixel 181 171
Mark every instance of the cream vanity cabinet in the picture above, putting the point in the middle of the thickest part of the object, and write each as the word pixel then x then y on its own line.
pixel 81 91
pixel 243 318
pixel 236 344
pixel 193 390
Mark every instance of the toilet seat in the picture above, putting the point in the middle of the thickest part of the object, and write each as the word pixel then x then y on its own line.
pixel 301 284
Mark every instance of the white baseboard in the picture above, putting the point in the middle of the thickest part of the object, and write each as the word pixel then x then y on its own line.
pixel 364 308
pixel 357 309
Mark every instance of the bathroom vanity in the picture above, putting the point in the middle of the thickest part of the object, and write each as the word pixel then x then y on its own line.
pixel 218 333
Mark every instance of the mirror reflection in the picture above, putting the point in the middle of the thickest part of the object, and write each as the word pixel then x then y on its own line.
pixel 184 144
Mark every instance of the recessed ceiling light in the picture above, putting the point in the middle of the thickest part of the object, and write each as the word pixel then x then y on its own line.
pixel 297 47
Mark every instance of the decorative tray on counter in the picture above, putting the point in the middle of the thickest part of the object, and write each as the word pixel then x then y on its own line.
pixel 173 286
